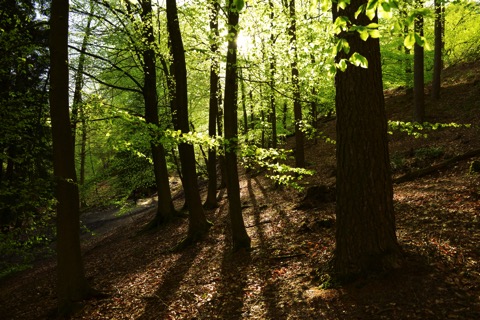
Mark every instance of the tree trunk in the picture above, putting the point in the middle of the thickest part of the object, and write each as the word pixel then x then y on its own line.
pixel 198 224
pixel 437 58
pixel 83 152
pixel 211 201
pixel 78 112
pixel 365 237
pixel 77 93
pixel 244 106
pixel 71 283
pixel 418 73
pixel 221 157
pixel 239 233
pixel 297 107
pixel 273 63
pixel 165 208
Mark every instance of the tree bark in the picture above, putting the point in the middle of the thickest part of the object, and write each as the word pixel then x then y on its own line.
pixel 165 208
pixel 241 240
pixel 211 201
pixel 297 107
pixel 198 223
pixel 244 106
pixel 419 73
pixel 273 63
pixel 365 238
pixel 221 157
pixel 78 112
pixel 437 57
pixel 71 283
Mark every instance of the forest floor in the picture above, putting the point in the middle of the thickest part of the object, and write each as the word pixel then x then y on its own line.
pixel 438 227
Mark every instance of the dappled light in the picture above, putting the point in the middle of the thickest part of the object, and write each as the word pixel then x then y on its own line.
pixel 239 160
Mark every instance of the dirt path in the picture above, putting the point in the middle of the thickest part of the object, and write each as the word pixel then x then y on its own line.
pixel 98 222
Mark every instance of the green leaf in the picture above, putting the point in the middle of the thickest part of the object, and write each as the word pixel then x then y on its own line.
pixel 371 13
pixel 325 5
pixel 340 24
pixel 397 27
pixel 374 33
pixel 409 40
pixel 410 19
pixel 363 34
pixel 426 45
pixel 342 65
pixel 386 6
pixel 393 4
pixel 345 46
pixel 343 3
pixel 359 10
pixel 419 40
pixel 372 4
pixel 239 4
pixel 358 60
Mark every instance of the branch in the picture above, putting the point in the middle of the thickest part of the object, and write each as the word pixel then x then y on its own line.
pixel 91 76
pixel 111 64
pixel 426 171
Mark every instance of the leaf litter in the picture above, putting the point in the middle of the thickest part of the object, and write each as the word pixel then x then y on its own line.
pixel 438 227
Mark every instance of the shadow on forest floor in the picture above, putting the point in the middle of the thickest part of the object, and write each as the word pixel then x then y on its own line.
pixel 437 226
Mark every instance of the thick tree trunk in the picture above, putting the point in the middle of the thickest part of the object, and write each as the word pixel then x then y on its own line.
pixel 437 58
pixel 198 224
pixel 71 282
pixel 165 208
pixel 365 237
pixel 419 73
pixel 211 201
pixel 297 107
pixel 239 233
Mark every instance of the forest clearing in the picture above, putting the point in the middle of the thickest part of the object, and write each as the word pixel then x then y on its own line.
pixel 438 225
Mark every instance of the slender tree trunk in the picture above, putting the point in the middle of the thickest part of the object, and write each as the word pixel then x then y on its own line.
pixel 252 111
pixel 437 59
pixel 77 93
pixel 241 240
pixel 221 157
pixel 211 201
pixel 244 105
pixel 365 237
pixel 71 284
pixel 272 66
pixel 419 73
pixel 198 224
pixel 407 61
pixel 83 151
pixel 297 107
pixel 165 208
pixel 78 112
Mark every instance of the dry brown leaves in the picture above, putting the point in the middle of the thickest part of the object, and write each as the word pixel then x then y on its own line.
pixel 438 223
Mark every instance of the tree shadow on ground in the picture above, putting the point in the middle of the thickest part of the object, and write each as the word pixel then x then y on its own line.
pixel 158 303
pixel 417 291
